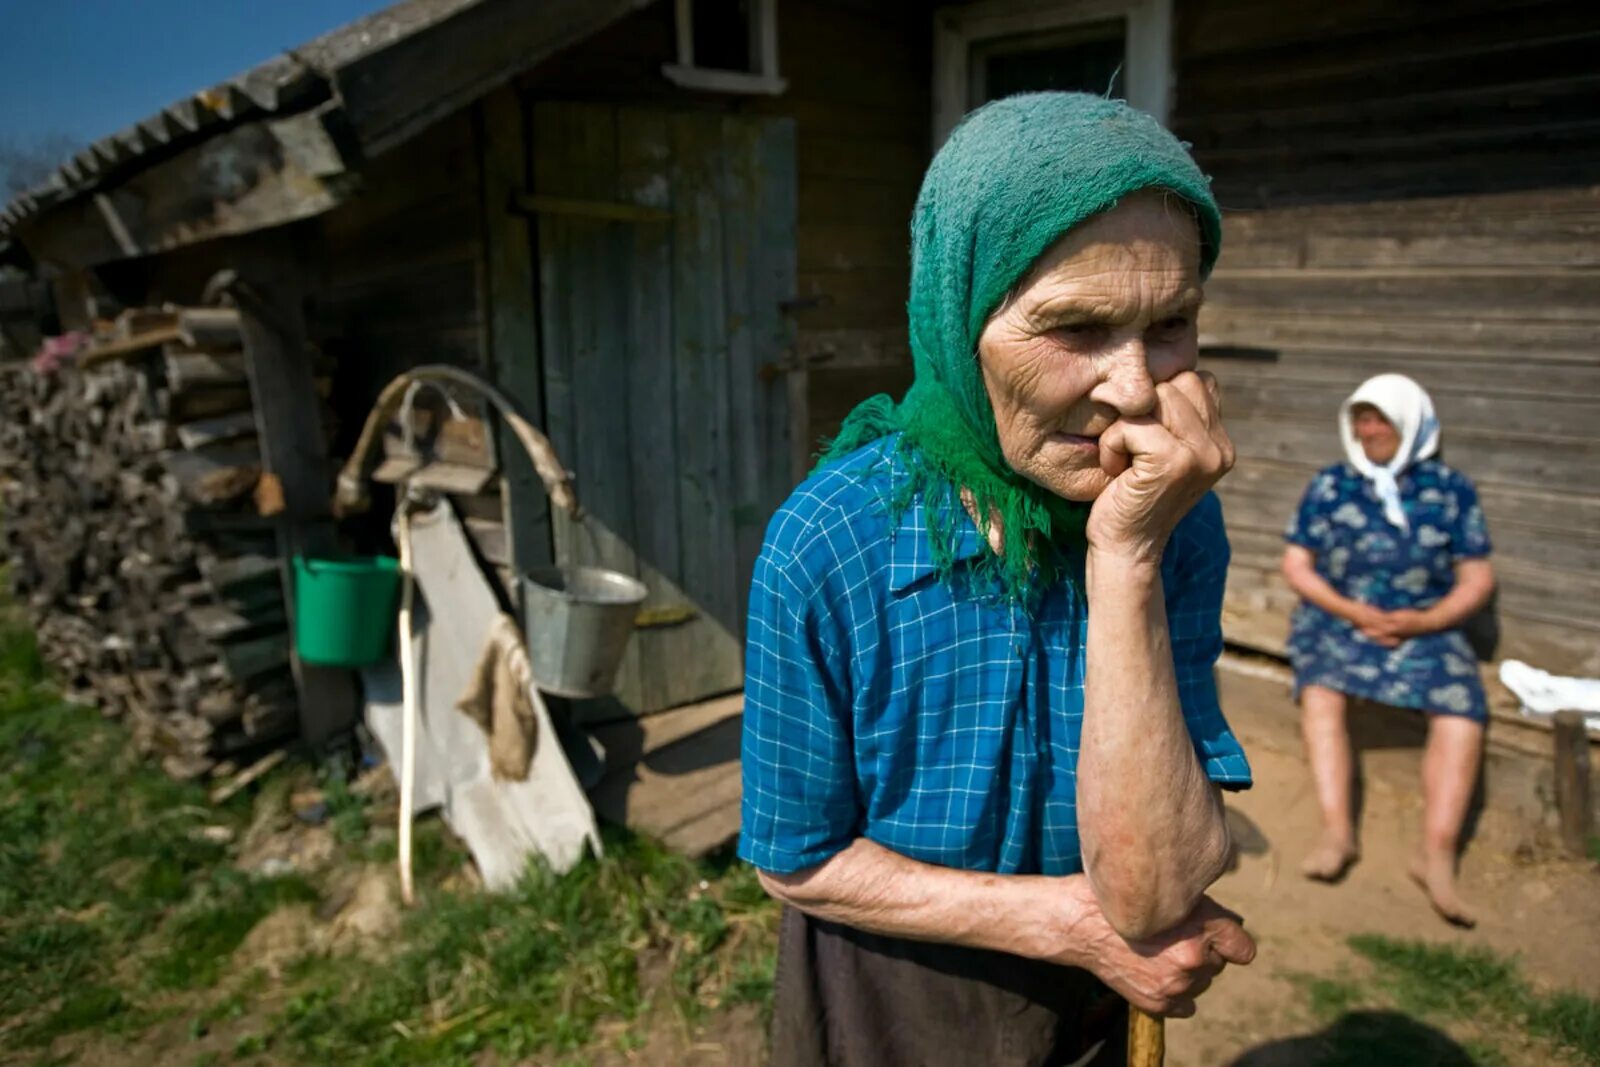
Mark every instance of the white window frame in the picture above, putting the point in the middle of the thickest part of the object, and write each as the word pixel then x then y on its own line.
pixel 763 79
pixel 1146 79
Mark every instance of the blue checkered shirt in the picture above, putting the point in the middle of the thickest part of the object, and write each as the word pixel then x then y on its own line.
pixel 882 703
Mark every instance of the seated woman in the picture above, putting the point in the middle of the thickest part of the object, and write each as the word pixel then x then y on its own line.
pixel 1389 554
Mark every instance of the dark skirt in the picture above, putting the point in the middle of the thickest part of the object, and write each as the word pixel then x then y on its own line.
pixel 846 998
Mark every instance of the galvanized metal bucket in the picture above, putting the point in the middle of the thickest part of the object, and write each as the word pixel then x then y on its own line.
pixel 578 623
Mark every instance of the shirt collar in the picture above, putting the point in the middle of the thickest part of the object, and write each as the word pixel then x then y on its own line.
pixel 911 547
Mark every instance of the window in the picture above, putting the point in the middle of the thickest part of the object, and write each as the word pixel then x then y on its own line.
pixel 728 46
pixel 989 50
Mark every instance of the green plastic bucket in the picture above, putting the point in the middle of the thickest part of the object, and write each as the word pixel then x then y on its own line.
pixel 344 609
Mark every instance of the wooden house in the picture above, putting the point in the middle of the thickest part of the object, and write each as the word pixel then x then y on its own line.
pixel 676 233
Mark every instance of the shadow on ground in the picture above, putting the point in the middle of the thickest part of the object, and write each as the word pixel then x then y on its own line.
pixel 1361 1038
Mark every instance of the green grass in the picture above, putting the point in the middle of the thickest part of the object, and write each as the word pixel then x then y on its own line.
pixel 1415 986
pixel 540 967
pixel 107 894
pixel 115 913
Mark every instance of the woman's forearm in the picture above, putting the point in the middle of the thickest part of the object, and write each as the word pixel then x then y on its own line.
pixel 1150 821
pixel 1474 585
pixel 1315 589
pixel 873 888
pixel 1056 919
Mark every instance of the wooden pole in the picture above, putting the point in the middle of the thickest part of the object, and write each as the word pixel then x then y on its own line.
pixel 1573 799
pixel 1147 1039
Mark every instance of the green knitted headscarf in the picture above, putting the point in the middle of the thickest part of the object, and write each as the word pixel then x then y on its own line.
pixel 1014 176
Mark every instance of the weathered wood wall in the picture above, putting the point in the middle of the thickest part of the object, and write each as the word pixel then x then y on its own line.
pixel 858 90
pixel 403 259
pixel 860 81
pixel 1410 188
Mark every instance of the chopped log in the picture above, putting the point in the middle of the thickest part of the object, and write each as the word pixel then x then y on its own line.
pixel 187 369
pixel 219 623
pixel 252 658
pixel 131 538
pixel 211 329
pixel 225 428
pixel 191 405
pixel 203 328
pixel 233 577
pixel 215 476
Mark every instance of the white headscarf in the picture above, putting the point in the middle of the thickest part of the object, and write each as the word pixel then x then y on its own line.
pixel 1409 408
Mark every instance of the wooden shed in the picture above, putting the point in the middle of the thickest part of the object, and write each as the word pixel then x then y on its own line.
pixel 676 233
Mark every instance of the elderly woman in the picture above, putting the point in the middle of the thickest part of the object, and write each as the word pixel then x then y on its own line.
pixel 982 749
pixel 1389 555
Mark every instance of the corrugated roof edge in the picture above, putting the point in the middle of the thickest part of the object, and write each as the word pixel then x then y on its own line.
pixel 289 82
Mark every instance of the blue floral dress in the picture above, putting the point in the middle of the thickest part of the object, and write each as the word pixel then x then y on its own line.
pixel 1366 558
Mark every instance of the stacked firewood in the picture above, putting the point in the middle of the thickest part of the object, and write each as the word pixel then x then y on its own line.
pixel 131 526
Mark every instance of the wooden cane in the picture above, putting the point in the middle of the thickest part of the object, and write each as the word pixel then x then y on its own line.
pixel 1147 1039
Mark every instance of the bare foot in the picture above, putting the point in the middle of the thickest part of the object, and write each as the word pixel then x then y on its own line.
pixel 1330 860
pixel 1437 878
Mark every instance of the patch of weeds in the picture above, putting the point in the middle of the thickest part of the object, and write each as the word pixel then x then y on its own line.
pixel 249 1045
pixel 1434 979
pixel 228 1008
pixel 1329 998
pixel 1594 848
pixel 1485 1054
pixel 1443 981
pixel 100 862
pixel 538 968
pixel 1568 1018
pixel 199 938
pixel 435 851
pixel 20 662
pixel 83 1009
pixel 347 812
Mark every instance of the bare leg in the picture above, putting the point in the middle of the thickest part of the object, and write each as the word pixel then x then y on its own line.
pixel 1449 775
pixel 1322 721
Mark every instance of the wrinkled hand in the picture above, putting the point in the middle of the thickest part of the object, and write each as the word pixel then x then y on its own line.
pixel 1161 465
pixel 1164 974
pixel 1406 622
pixel 1374 623
pixel 1391 628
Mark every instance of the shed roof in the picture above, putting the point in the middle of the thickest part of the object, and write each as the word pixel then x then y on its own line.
pixel 378 81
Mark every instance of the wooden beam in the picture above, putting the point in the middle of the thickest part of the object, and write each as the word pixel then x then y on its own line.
pixel 1573 800
pixel 391 94
pixel 253 177
pixel 534 204
pixel 283 383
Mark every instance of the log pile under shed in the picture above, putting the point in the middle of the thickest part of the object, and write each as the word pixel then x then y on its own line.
pixel 137 528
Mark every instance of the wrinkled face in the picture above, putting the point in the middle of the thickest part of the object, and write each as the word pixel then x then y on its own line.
pixel 1379 439
pixel 1104 315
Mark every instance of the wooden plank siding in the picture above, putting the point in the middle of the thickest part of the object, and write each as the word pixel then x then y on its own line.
pixel 859 79
pixel 1411 189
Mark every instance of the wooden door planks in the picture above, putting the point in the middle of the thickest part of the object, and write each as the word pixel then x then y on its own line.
pixel 672 314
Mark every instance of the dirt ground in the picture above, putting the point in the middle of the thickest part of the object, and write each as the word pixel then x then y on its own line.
pixel 1534 905
pixel 1531 903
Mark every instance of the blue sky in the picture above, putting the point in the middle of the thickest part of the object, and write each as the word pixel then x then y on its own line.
pixel 87 68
